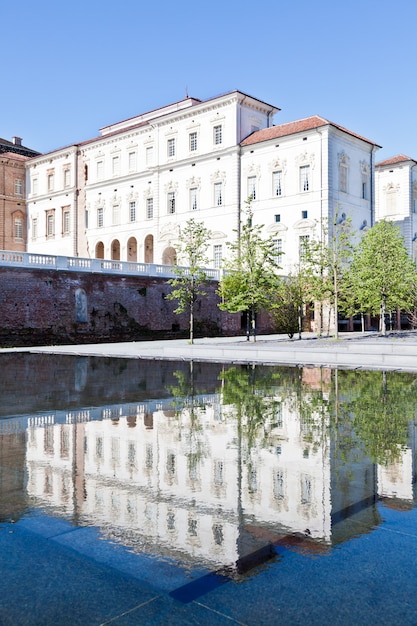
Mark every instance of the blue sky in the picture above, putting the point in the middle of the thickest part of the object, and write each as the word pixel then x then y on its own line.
pixel 70 68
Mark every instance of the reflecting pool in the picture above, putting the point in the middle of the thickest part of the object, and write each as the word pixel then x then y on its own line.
pixel 296 486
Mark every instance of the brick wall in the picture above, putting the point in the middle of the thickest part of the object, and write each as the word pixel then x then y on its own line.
pixel 41 306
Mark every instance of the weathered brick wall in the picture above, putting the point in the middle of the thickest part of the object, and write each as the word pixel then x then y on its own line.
pixel 40 306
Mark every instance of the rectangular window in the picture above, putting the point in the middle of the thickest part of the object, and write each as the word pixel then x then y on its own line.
pixel 35 186
pixel 116 166
pixel 100 217
pixel 100 170
pixel 50 224
pixel 149 208
pixel 217 256
pixel 277 183
pixel 50 182
pixel 18 229
pixel 218 194
pixel 279 492
pixel 218 135
pixel 132 161
pixel 277 249
pixel 18 187
pixel 171 202
pixel 171 148
pixel 132 211
pixel 193 142
pixel 149 155
pixel 67 177
pixel 304 215
pixel 364 194
pixel 278 218
pixel 252 187
pixel 66 222
pixel 343 176
pixel 305 178
pixel 34 228
pixel 193 198
pixel 302 245
pixel 115 214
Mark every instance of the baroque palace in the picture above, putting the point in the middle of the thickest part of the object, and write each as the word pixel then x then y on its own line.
pixel 125 194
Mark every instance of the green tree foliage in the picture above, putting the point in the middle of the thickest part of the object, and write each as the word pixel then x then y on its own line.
pixel 287 305
pixel 382 275
pixel 324 264
pixel 191 277
pixel 250 278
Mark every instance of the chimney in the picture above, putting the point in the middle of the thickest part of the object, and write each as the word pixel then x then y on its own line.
pixel 17 141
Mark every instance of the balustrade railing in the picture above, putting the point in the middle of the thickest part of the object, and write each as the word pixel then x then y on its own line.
pixel 79 264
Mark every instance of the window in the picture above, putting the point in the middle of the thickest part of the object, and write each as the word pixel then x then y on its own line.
pixel 218 194
pixel 50 223
pixel 306 490
pixel 34 228
pixel 305 178
pixel 304 215
pixel 277 183
pixel 279 492
pixel 67 177
pixel 217 256
pixel 252 187
pixel 193 198
pixel 18 229
pixel 115 214
pixel 149 208
pixel 343 177
pixel 18 187
pixel 132 211
pixel 100 169
pixel 100 217
pixel 302 245
pixel 116 166
pixel 50 181
pixel 218 135
pixel 278 218
pixel 277 249
pixel 66 221
pixel 171 202
pixel 193 142
pixel 149 155
pixel 132 161
pixel 364 191
pixel 171 148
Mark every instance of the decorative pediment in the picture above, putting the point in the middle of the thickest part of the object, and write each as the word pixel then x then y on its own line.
pixel 391 188
pixel 132 196
pixel 218 177
pixel 277 227
pixel 218 234
pixel 279 164
pixel 305 158
pixel 253 170
pixel 169 231
pixel 304 224
pixel 365 168
pixel 343 159
pixel 171 186
pixel 194 182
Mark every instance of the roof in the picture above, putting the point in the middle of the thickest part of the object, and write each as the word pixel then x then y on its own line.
pixel 399 158
pixel 299 126
pixel 16 148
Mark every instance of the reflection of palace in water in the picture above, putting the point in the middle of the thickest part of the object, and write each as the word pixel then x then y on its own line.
pixel 191 482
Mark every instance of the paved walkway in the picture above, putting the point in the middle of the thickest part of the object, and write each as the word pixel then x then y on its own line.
pixel 396 351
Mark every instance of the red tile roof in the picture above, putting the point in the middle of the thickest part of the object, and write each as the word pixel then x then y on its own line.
pixel 400 158
pixel 299 126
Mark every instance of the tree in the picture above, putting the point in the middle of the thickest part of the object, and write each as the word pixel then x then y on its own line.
pixel 190 275
pixel 287 306
pixel 325 262
pixel 250 277
pixel 382 273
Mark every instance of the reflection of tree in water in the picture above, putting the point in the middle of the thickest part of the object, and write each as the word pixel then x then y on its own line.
pixel 379 406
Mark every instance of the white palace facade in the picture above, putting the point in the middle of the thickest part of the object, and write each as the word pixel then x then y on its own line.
pixel 125 194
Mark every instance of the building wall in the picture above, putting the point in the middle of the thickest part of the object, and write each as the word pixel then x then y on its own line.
pixel 50 306
pixel 12 202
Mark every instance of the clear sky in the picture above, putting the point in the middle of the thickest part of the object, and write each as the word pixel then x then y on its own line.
pixel 69 68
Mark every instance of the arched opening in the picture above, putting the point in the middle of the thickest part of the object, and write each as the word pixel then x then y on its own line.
pixel 149 249
pixel 169 256
pixel 132 250
pixel 115 250
pixel 99 250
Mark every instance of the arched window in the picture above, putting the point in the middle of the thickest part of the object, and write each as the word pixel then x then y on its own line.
pixel 99 250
